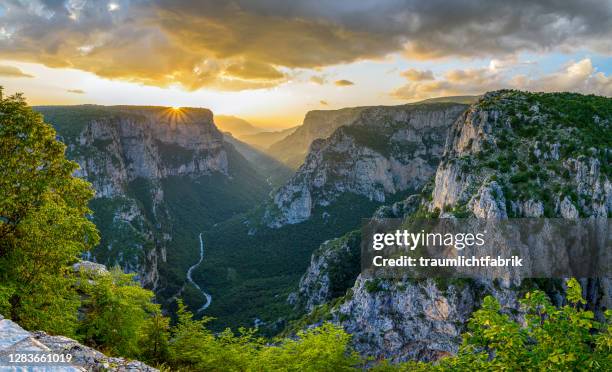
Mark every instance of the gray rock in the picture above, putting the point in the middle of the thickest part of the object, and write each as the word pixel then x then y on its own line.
pixel 383 151
pixel 14 339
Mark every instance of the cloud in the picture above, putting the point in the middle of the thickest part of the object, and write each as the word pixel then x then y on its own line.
pixel 343 83
pixel 250 44
pixel 253 70
pixel 10 71
pixel 76 91
pixel 578 76
pixel 318 79
pixel 324 103
pixel 417 75
pixel 509 62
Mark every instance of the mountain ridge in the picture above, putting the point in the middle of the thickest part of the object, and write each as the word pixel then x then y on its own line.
pixel 512 154
pixel 382 150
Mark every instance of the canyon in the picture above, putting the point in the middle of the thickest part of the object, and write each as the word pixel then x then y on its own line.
pixel 283 246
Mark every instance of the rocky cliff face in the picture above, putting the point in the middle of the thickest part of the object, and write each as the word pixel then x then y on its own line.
pixel 333 268
pixel 335 265
pixel 150 144
pixel 128 153
pixel 512 154
pixel 125 156
pixel 517 155
pixel 380 152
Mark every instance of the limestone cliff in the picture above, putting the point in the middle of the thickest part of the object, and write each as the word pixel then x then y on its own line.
pixel 512 154
pixel 134 157
pixel 381 151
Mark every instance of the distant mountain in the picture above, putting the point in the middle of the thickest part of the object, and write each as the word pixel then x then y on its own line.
pixel 377 152
pixel 264 140
pixel 276 173
pixel 235 125
pixel 317 124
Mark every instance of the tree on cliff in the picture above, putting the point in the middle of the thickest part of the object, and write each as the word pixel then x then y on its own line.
pixel 43 222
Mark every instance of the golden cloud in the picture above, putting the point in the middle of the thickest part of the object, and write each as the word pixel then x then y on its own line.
pixel 256 44
pixel 578 76
pixel 343 83
pixel 417 75
pixel 10 71
pixel 317 79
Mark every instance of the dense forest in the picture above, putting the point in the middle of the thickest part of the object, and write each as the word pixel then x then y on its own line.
pixel 46 226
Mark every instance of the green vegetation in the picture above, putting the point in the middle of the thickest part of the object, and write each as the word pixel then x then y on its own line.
pixel 119 238
pixel 44 229
pixel 116 312
pixel 345 267
pixel 43 223
pixel 195 205
pixel 194 348
pixel 539 137
pixel 250 269
pixel 173 154
pixel 137 225
pixel 551 339
pixel 71 120
pixel 373 139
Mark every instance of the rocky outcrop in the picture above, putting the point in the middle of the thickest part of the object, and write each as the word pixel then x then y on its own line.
pixel 333 268
pixel 512 154
pixel 495 165
pixel 414 320
pixel 335 265
pixel 147 143
pixel 383 151
pixel 14 340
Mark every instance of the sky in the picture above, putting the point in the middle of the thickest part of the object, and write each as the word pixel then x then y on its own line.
pixel 271 61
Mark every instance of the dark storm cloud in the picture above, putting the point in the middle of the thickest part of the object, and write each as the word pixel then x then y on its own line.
pixel 253 44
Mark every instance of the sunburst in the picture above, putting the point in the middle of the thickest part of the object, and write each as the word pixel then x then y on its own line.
pixel 175 114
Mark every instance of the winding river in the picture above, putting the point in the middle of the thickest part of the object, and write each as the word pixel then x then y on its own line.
pixel 190 280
